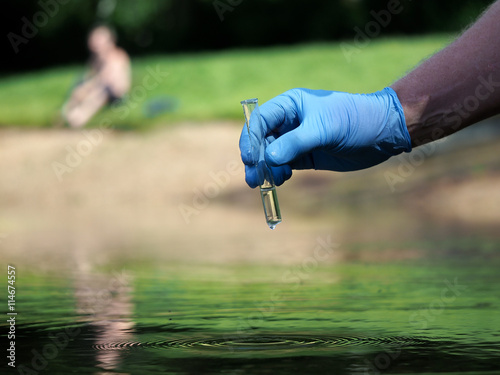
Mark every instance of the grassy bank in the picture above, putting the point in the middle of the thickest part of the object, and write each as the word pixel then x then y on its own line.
pixel 209 86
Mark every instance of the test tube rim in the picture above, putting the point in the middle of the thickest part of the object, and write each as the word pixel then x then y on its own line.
pixel 249 101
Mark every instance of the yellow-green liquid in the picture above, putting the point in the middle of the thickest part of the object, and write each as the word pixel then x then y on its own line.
pixel 271 206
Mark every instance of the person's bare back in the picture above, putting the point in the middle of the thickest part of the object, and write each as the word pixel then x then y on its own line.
pixel 107 81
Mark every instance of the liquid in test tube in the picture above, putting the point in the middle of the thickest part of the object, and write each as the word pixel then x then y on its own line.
pixel 258 144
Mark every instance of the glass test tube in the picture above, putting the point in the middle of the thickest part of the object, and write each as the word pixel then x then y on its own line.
pixel 258 144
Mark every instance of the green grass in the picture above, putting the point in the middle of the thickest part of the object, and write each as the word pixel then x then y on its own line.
pixel 209 86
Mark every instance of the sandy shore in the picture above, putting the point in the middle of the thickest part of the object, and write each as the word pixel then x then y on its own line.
pixel 89 198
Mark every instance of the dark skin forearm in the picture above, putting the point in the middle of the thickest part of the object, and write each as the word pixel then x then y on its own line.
pixel 456 87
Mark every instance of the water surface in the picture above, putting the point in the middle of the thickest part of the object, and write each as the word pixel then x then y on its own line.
pixel 314 318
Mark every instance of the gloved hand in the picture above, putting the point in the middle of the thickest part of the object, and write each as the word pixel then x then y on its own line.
pixel 327 130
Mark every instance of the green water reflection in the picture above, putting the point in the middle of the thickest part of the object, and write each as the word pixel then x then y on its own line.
pixel 349 318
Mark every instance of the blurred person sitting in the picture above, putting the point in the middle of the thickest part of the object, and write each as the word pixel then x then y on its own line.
pixel 106 82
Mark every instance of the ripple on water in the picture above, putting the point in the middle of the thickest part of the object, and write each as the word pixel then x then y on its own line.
pixel 264 343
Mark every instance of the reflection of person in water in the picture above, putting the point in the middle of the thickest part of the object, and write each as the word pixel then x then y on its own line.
pixel 105 303
pixel 107 81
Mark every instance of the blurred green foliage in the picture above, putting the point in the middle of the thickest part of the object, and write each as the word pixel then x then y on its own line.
pixel 209 86
pixel 159 26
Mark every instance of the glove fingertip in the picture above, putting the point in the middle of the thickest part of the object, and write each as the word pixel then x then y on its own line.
pixel 273 157
pixel 246 148
pixel 251 177
pixel 282 151
pixel 285 172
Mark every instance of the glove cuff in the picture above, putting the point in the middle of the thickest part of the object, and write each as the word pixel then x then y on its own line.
pixel 397 123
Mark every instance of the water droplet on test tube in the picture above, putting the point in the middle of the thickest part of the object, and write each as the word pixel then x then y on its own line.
pixel 258 144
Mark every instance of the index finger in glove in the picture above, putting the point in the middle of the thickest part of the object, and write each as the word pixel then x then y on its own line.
pixel 280 114
pixel 277 116
pixel 246 148
pixel 252 140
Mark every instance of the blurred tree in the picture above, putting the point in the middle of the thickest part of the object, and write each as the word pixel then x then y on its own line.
pixel 47 32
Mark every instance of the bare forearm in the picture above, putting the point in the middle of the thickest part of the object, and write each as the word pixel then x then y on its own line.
pixel 456 87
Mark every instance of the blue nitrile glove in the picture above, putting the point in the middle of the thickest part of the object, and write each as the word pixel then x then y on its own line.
pixel 328 130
